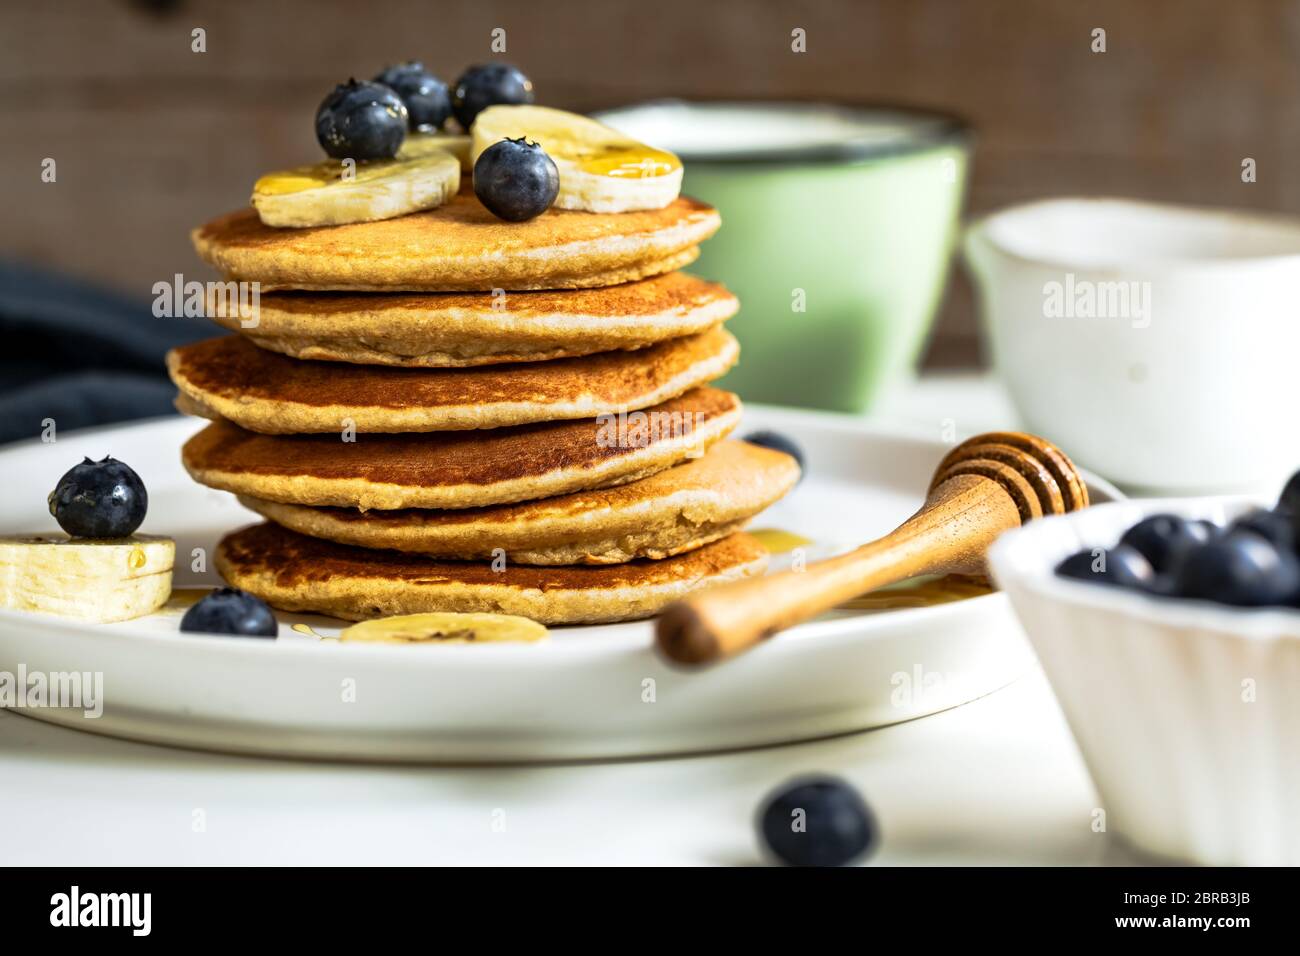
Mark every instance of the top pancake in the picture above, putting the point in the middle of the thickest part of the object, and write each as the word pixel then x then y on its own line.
pixel 459 247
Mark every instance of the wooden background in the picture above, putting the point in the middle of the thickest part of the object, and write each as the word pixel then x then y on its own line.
pixel 151 138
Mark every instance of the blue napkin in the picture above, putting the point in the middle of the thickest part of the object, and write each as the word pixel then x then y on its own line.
pixel 81 355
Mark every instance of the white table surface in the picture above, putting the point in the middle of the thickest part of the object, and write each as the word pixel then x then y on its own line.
pixel 997 781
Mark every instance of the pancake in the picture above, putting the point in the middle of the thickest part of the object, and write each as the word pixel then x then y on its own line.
pixel 460 469
pixel 293 572
pixel 459 247
pixel 671 512
pixel 266 392
pixel 475 328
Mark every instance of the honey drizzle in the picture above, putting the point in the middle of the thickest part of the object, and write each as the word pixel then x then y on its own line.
pixel 778 540
pixel 310 632
pixel 919 592
pixel 187 597
pixel 639 162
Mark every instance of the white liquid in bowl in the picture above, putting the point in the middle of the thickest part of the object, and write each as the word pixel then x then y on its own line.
pixel 1119 233
pixel 775 131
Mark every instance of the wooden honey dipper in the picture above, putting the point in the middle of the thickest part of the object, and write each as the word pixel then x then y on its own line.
pixel 984 486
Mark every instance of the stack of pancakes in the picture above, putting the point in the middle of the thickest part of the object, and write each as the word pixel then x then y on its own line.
pixel 448 412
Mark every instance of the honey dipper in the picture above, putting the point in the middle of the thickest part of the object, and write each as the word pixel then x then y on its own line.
pixel 984 486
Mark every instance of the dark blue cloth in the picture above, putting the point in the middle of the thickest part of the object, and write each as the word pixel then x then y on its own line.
pixel 80 354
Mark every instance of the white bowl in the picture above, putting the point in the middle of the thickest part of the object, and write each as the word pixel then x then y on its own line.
pixel 1157 343
pixel 1186 712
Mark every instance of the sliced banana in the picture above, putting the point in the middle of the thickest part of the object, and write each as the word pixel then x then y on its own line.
pixel 422 144
pixel 93 580
pixel 335 192
pixel 601 169
pixel 446 628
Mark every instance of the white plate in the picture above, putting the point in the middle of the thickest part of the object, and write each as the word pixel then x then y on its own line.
pixel 590 692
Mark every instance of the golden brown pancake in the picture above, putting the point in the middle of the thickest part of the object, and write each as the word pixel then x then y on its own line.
pixel 459 247
pixel 266 392
pixel 460 469
pixel 476 328
pixel 671 512
pixel 297 573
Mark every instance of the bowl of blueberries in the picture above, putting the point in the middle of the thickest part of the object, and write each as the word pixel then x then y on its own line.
pixel 1170 632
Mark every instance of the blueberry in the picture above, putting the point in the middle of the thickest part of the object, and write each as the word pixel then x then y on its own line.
pixel 1208 528
pixel 361 121
pixel 1163 585
pixel 817 821
pixel 99 499
pixel 428 103
pixel 487 85
pixel 1289 500
pixel 1121 565
pixel 1241 568
pixel 777 442
pixel 1162 537
pixel 1273 526
pixel 516 180
pixel 230 611
pixel 1288 504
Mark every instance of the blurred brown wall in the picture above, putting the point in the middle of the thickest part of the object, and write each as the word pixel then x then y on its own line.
pixel 151 138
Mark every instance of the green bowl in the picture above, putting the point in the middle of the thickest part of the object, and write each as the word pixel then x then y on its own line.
pixel 838 225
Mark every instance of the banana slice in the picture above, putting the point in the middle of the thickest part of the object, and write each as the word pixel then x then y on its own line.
pixel 319 195
pixel 102 581
pixel 601 169
pixel 422 144
pixel 446 628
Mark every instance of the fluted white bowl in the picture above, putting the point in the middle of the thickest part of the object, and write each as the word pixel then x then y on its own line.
pixel 1187 713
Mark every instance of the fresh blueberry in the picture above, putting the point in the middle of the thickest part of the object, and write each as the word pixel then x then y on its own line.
pixel 1273 526
pixel 428 103
pixel 777 442
pixel 1163 585
pixel 1162 537
pixel 230 611
pixel 817 821
pixel 487 85
pixel 99 499
pixel 1208 528
pixel 1288 504
pixel 1121 565
pixel 516 180
pixel 1289 500
pixel 361 121
pixel 1240 568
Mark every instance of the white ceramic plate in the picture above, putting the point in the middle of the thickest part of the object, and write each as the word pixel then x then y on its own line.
pixel 590 692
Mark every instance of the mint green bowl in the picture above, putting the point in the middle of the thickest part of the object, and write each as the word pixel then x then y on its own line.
pixel 838 225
